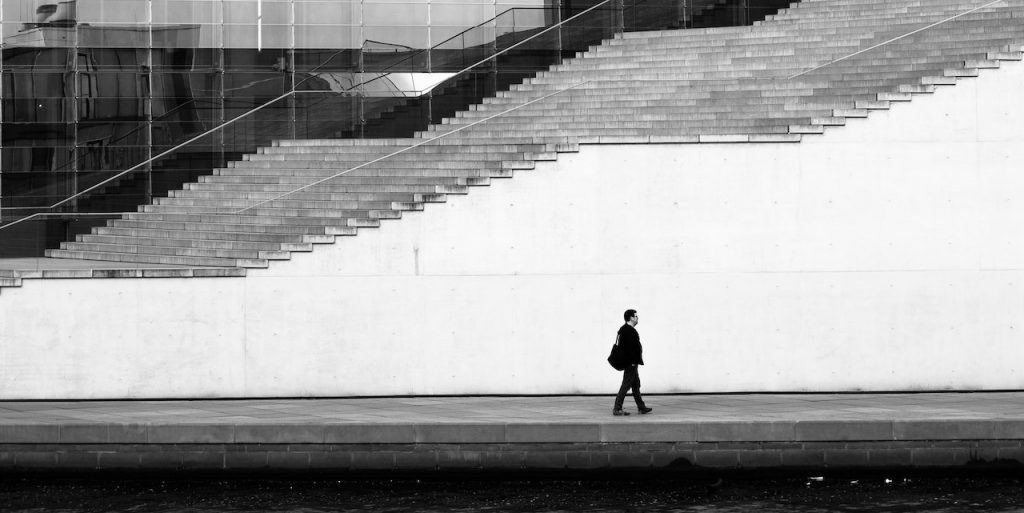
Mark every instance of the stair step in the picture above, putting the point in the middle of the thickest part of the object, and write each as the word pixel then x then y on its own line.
pixel 850 113
pixel 269 238
pixel 1005 56
pixel 451 189
pixel 166 240
pixel 829 121
pixel 895 97
pixel 254 220
pixel 156 259
pixel 916 88
pixel 982 64
pixel 430 198
pixel 872 105
pixel 968 72
pixel 223 230
pixel 806 129
pixel 147 250
pixel 938 80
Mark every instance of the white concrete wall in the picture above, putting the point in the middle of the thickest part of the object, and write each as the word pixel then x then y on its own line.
pixel 885 255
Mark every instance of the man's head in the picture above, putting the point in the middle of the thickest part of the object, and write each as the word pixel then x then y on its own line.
pixel 630 317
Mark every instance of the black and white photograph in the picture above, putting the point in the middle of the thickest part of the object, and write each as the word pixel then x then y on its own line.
pixel 700 256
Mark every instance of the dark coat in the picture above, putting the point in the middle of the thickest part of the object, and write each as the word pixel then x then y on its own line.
pixel 629 343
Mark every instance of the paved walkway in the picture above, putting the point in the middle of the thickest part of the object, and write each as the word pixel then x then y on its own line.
pixel 560 409
pixel 576 432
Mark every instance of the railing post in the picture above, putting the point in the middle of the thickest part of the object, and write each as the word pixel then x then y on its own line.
pixel 489 82
pixel 358 119
pixel 74 77
pixel 618 13
pixel 293 101
pixel 556 19
pixel 1 111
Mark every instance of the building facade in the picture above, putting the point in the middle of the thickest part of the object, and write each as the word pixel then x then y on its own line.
pixel 91 88
pixel 106 104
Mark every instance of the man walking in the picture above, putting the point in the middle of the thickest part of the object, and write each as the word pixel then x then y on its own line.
pixel 629 342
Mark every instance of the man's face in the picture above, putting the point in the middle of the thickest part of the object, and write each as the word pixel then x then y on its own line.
pixel 633 321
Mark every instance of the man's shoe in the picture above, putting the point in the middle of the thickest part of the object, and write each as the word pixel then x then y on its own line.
pixel 620 413
pixel 645 411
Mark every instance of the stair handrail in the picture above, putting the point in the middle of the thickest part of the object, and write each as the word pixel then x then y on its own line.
pixel 248 113
pixel 165 153
pixel 417 145
pixel 546 30
pixel 424 50
pixel 294 91
pixel 897 38
pixel 463 127
pixel 194 100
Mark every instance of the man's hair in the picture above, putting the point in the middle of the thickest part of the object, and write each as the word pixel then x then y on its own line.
pixel 628 314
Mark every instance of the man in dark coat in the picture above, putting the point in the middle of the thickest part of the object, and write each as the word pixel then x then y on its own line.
pixel 633 353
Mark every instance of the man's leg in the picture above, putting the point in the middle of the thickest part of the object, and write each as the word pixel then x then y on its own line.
pixel 636 390
pixel 628 376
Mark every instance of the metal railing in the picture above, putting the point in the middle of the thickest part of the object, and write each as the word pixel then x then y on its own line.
pixel 542 98
pixel 417 145
pixel 617 10
pixel 897 38
pixel 286 95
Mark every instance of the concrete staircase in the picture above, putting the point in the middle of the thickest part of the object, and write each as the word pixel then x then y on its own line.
pixel 645 87
pixel 772 82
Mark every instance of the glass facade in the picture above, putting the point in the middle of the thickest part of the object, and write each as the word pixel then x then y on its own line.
pixel 92 88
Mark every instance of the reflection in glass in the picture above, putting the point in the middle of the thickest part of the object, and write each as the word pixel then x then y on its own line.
pixel 90 88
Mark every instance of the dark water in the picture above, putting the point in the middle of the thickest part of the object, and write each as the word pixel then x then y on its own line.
pixel 639 492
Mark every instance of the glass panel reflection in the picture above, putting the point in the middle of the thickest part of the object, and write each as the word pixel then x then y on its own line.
pixel 327 36
pixel 187 12
pixel 89 88
pixel 120 12
pixel 273 12
pixel 327 12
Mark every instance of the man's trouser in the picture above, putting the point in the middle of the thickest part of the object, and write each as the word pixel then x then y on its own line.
pixel 630 379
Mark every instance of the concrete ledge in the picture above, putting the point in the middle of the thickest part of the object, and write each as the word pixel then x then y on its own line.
pixel 746 432
pixel 430 456
pixel 578 433
pixel 961 429
pixel 515 432
pixel 843 430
